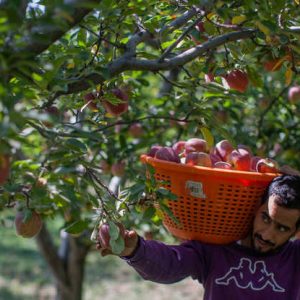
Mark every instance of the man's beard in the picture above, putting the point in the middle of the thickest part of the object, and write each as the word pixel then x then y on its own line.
pixel 266 253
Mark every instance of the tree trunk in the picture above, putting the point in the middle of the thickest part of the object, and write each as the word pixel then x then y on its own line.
pixel 67 263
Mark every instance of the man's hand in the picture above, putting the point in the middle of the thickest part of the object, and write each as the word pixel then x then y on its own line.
pixel 130 240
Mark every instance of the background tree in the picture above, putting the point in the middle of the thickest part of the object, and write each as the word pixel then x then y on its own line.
pixel 88 86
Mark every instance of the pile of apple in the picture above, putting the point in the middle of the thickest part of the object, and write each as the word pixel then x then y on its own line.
pixel 196 152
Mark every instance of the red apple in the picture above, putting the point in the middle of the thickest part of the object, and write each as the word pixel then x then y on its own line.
pixel 267 165
pixel 263 103
pixel 246 148
pixel 209 77
pixel 118 128
pixel 168 154
pixel 4 168
pixel 118 168
pixel 136 130
pixel 272 65
pixel 105 167
pixel 198 159
pixel 214 157
pixel 104 235
pixel 237 80
pixel 118 108
pixel 221 115
pixel 200 26
pixel 153 150
pixel 294 94
pixel 179 147
pixel 198 35
pixel 222 165
pixel 253 162
pixel 223 149
pixel 91 100
pixel 53 113
pixel 240 159
pixel 197 144
pixel 30 227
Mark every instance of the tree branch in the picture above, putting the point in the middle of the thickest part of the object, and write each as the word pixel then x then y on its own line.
pixel 49 251
pixel 124 63
pixel 41 36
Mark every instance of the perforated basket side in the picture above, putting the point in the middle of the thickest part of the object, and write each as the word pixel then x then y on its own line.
pixel 212 206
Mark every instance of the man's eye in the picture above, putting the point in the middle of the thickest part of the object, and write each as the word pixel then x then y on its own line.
pixel 282 229
pixel 265 218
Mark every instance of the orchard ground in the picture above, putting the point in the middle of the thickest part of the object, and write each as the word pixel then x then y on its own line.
pixel 24 275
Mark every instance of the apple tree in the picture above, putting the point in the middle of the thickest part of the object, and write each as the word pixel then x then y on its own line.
pixel 87 86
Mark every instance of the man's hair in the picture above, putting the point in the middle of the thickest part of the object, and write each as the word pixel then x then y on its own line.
pixel 287 190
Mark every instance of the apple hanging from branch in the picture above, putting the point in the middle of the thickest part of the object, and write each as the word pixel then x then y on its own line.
pixel 4 168
pixel 294 94
pixel 28 226
pixel 237 80
pixel 119 107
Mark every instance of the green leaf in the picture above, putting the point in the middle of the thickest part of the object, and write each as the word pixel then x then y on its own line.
pixel 114 231
pixel 118 245
pixel 77 227
pixel 149 213
pixel 207 135
pixel 163 191
pixel 76 145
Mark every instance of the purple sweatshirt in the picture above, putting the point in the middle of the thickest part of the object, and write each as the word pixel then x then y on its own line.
pixel 230 272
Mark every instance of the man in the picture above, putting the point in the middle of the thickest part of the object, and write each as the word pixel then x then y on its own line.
pixel 265 265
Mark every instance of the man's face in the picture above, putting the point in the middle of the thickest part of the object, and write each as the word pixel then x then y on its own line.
pixel 273 226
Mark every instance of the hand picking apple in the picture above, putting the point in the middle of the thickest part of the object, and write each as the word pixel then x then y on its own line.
pixel 104 241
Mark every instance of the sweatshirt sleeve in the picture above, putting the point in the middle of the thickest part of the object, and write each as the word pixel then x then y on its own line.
pixel 163 263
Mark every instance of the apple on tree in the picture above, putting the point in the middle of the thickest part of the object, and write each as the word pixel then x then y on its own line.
pixel 237 80
pixel 209 77
pixel 105 167
pixel 4 167
pixel 53 113
pixel 272 65
pixel 198 33
pixel 118 168
pixel 136 130
pixel 294 94
pixel 28 226
pixel 91 101
pixel 116 109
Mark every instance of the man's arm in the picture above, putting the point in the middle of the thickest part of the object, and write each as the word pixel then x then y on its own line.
pixel 162 263
pixel 156 261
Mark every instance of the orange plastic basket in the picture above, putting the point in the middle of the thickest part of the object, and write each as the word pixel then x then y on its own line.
pixel 213 205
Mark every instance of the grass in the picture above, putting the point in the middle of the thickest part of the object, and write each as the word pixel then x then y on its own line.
pixel 24 275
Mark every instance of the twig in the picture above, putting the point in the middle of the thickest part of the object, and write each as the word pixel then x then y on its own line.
pixel 181 37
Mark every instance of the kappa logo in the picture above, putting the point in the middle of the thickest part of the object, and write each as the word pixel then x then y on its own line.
pixel 248 275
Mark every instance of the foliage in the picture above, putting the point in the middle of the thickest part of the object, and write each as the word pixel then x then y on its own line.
pixel 52 53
